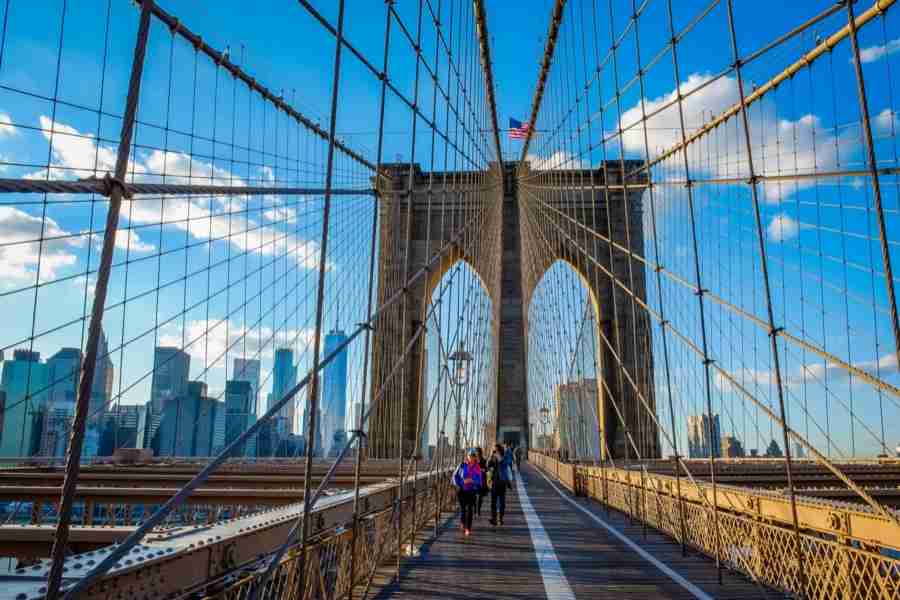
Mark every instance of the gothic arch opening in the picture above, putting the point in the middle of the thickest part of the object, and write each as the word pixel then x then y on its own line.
pixel 458 402
pixel 566 399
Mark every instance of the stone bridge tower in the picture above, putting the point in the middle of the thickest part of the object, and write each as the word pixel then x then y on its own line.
pixel 499 258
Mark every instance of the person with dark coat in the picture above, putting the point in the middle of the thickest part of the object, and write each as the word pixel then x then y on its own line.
pixel 500 475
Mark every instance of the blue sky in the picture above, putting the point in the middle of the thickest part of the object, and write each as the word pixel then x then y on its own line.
pixel 286 50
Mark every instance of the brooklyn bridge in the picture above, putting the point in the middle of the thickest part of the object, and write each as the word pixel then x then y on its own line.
pixel 272 274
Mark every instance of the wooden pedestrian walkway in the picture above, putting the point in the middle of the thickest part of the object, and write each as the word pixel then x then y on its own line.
pixel 548 548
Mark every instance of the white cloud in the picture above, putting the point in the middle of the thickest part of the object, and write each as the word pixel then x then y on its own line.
pixel 810 374
pixel 6 125
pixel 782 228
pixel 873 53
pixel 283 214
pixel 560 159
pixel 886 122
pixel 247 235
pixel 178 167
pixel 20 250
pixel 664 128
pixel 127 239
pixel 779 146
pixel 75 153
pixel 210 340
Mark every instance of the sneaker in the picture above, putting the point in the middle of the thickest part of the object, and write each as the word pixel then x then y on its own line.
pixel 501 522
pixel 493 521
pixel 467 532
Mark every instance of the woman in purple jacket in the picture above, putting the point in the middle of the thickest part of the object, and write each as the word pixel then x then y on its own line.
pixel 467 479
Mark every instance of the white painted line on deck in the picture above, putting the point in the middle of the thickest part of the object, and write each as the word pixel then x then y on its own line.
pixel 671 573
pixel 555 583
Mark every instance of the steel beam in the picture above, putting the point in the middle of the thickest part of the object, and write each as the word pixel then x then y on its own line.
pixel 184 558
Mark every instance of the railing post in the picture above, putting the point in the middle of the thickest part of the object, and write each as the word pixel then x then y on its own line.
pixel 82 405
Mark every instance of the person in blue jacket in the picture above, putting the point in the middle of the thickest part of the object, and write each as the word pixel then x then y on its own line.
pixel 467 479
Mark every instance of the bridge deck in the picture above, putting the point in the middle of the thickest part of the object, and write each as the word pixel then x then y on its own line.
pixel 550 549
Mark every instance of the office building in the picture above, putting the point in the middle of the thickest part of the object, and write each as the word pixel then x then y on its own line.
pixel 333 403
pixel 239 415
pixel 121 425
pixel 189 423
pixel 731 447
pixel 248 369
pixel 284 377
pixel 576 422
pixel 63 375
pixel 24 381
pixel 700 444
pixel 101 387
pixel 171 368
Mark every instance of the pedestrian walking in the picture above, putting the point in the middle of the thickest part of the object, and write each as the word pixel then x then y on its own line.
pixel 483 490
pixel 467 480
pixel 508 451
pixel 500 475
pixel 518 458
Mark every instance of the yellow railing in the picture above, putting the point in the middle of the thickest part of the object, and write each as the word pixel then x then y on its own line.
pixel 846 551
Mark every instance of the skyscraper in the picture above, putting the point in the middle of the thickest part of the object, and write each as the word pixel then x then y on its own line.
pixel 101 388
pixel 334 392
pixel 576 419
pixel 171 367
pixel 63 375
pixel 24 381
pixel 699 443
pixel 189 424
pixel 732 447
pixel 120 428
pixel 284 377
pixel 247 369
pixel 239 414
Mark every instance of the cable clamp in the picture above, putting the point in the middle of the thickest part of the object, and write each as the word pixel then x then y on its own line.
pixel 109 183
pixel 753 179
pixel 359 433
pixel 366 325
pixel 775 331
pixel 708 361
pixel 701 292
pixel 689 184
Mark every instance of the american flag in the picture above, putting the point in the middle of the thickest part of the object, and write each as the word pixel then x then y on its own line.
pixel 517 130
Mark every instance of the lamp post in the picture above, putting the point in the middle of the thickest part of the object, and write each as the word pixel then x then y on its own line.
pixel 459 362
pixel 545 420
pixel 459 376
